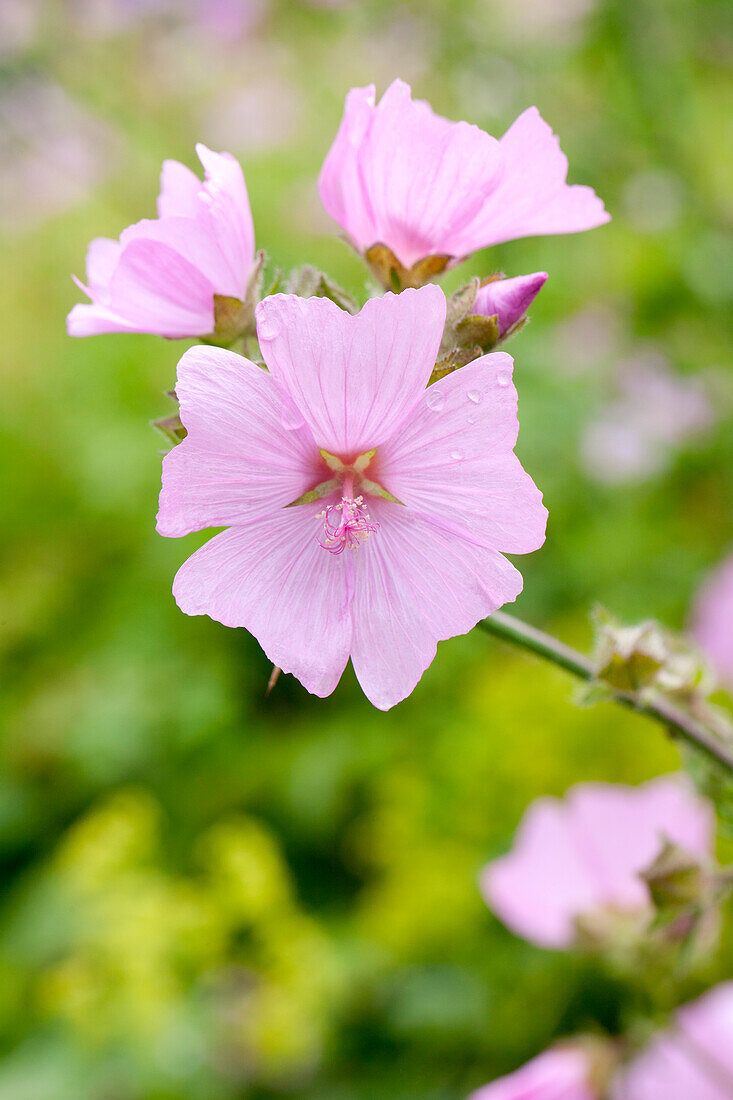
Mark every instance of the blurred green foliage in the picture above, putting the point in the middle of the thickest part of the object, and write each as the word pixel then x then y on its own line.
pixel 210 894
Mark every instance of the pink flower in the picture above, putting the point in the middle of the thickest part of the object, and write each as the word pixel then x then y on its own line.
pixel 508 299
pixel 400 175
pixel 162 275
pixel 691 1061
pixel 341 448
pixel 712 623
pixel 581 856
pixel 562 1073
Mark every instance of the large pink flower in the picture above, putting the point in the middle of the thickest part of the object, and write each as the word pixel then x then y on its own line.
pixel 400 175
pixel 692 1061
pixel 422 484
pixel 712 623
pixel 562 1073
pixel 162 274
pixel 582 856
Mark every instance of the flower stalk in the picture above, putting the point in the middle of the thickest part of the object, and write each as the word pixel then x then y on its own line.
pixel 676 721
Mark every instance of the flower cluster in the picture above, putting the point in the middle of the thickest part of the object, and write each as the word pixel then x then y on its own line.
pixel 608 867
pixel 362 464
pixel 360 434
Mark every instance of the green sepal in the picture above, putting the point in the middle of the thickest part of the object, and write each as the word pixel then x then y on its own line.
pixel 320 491
pixel 393 275
pixel 376 490
pixel 309 282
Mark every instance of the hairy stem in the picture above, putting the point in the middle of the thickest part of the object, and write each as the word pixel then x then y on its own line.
pixel 677 722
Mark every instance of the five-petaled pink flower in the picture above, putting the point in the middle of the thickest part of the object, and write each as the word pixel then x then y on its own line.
pixel 562 1073
pixel 162 274
pixel 582 856
pixel 399 175
pixel 691 1061
pixel 712 624
pixel 341 447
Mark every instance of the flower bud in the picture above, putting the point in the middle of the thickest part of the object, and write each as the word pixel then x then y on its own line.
pixel 508 300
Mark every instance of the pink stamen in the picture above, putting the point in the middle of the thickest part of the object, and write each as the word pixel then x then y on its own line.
pixel 346 524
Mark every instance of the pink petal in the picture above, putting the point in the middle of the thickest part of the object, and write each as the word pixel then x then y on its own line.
pixel 179 191
pixel 453 460
pixel 415 586
pixel 339 183
pixel 692 1060
pixel 614 840
pixel 508 299
pixel 426 178
pixel 227 214
pixel 354 379
pixel 96 320
pixel 708 1024
pixel 156 290
pixel 273 578
pixel 193 239
pixel 541 886
pixel 239 460
pixel 559 1074
pixel 532 197
pixel 102 257
pixel 620 831
pixel 712 619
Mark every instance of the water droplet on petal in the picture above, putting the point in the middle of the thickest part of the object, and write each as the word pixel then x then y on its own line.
pixel 292 418
pixel 435 399
pixel 456 455
pixel 503 378
pixel 474 395
pixel 267 326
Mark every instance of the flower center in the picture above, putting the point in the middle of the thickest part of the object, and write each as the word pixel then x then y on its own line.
pixel 346 525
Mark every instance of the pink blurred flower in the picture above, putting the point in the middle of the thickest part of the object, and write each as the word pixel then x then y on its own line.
pixel 691 1061
pixel 400 175
pixel 508 299
pixel 341 426
pixel 656 411
pixel 562 1073
pixel 581 856
pixel 712 620
pixel 162 274
pixel 52 152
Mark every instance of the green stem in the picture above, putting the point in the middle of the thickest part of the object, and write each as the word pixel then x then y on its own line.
pixel 678 723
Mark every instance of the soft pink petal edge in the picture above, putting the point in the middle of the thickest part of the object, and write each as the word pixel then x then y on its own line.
pixel 355 379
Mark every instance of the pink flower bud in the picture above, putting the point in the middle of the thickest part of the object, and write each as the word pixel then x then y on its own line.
pixel 508 300
pixel 582 857
pixel 401 176
pixel 163 274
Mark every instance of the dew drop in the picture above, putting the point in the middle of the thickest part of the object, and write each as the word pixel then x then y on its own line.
pixel 292 418
pixel 456 455
pixel 503 378
pixel 435 399
pixel 267 326
pixel 474 396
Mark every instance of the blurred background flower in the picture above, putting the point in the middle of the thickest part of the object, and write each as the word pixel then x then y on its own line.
pixel 211 895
